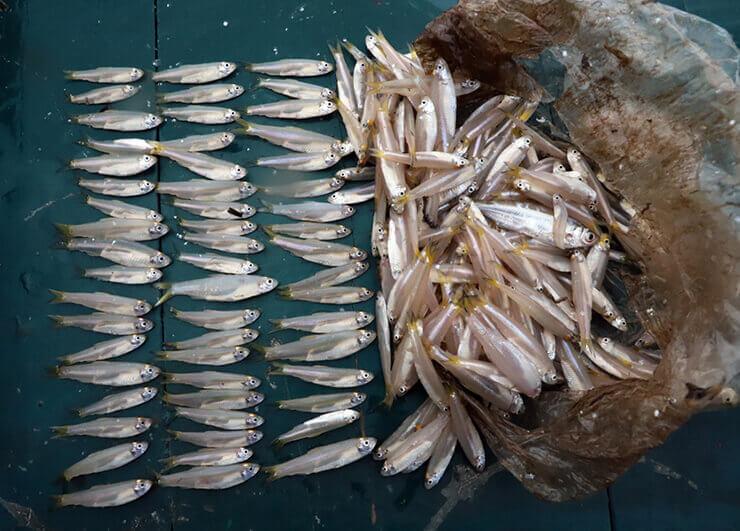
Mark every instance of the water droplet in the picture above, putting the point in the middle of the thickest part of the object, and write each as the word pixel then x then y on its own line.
pixel 225 23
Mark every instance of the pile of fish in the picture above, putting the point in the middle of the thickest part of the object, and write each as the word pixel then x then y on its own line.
pixel 493 243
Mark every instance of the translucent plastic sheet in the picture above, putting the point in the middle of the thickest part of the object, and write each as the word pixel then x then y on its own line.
pixel 650 94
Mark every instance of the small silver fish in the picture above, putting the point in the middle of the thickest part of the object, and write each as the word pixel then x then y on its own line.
pixel 225 242
pixel 103 302
pixel 309 211
pixel 221 399
pixel 201 190
pixel 206 356
pixel 111 495
pixel 219 226
pixel 330 254
pixel 216 209
pixel 214 93
pixel 119 401
pixel 108 459
pixel 329 295
pixel 218 319
pixel 204 165
pixel 220 264
pixel 222 338
pixel 120 146
pixel 109 428
pixel 293 138
pixel 117 187
pixel 113 373
pixel 324 458
pixel 124 275
pixel 201 114
pixel 296 89
pixel 214 380
pixel 219 439
pixel 221 418
pixel 105 94
pixel 105 350
pixel 324 375
pixel 293 109
pixel 300 161
pixel 195 74
pixel 317 426
pixel 302 189
pixel 122 252
pixel 359 173
pixel 118 209
pixel 106 74
pixel 209 457
pixel 353 195
pixel 125 229
pixel 210 477
pixel 113 120
pixel 320 347
pixel 309 229
pixel 105 323
pixel 291 67
pixel 323 403
pixel 196 143
pixel 324 322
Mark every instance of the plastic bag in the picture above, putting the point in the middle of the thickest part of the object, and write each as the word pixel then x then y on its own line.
pixel 649 93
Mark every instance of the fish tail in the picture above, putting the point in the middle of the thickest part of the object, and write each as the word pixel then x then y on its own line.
pixel 68 74
pixel 160 98
pixel 276 368
pixel 162 355
pixel 377 153
pixel 389 397
pixel 278 443
pixel 171 345
pixel 175 434
pixel 249 67
pixel 286 293
pixel 169 463
pixel 58 320
pixel 60 431
pixel 175 311
pixel 258 348
pixel 166 377
pixel 54 371
pixel 267 207
pixel 268 230
pixel 64 229
pixel 245 124
pixel 271 473
pixel 58 296
pixel 57 500
pixel 277 325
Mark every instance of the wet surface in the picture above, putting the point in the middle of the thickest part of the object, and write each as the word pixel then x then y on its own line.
pixel 37 42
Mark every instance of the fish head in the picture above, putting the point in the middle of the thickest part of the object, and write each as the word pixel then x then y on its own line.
pixel 267 284
pixel 250 334
pixel 363 318
pixel 230 115
pixel 254 436
pixel 143 325
pixel 402 390
pixel 620 323
pixel 153 215
pixel 147 161
pixel 129 89
pixel 522 185
pixel 235 90
pixel 138 447
pixel 135 74
pixel 335 198
pixel 248 267
pixel 470 84
pixel 323 67
pixel 254 398
pixel 343 174
pixel 142 486
pixel 254 420
pixel 344 148
pixel 149 373
pixel 587 238
pixel 364 377
pixel 330 158
pixel 242 454
pixel 237 172
pixel 350 415
pixel 142 424
pixel 250 316
pixel 158 229
pixel 240 353
pixel 366 337
pixel 342 231
pixel 159 259
pixel 153 274
pixel 256 246
pixel 365 445
pixel 573 157
pixel 442 71
pixel 361 266
pixel 142 307
pixel 605 343
pixel 426 105
pixel 336 183
pixel 145 186
pixel 431 480
pixel 250 470
pixel 327 106
pixel 147 393
pixel 559 168
pixel 137 339
pixel 557 198
pixel 251 382
pixel 226 138
pixel 365 294
pixel 247 227
pixel 357 398
pixel 371 42
pixel 225 68
pixel 609 314
pixel 523 142
pixel 328 94
pixel 152 120
pixel 347 210
pixel 356 253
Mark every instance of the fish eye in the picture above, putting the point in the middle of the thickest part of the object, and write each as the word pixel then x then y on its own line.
pixel 609 314
pixel 557 197
pixel 590 236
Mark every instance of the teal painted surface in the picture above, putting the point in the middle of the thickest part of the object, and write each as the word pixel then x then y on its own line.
pixel 40 39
